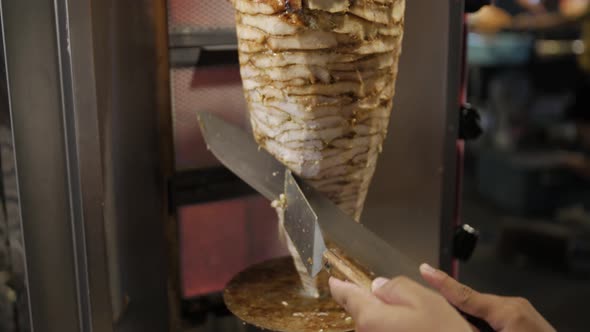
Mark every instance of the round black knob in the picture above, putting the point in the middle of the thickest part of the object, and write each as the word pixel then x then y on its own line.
pixel 469 123
pixel 471 6
pixel 464 242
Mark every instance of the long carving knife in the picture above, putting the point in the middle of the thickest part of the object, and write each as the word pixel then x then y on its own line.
pixel 237 150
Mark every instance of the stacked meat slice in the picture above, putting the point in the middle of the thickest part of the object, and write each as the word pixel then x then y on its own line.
pixel 319 78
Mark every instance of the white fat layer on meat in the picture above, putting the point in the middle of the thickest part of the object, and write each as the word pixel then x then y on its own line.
pixel 271 25
pixel 254 7
pixel 313 40
pixel 319 79
pixel 322 58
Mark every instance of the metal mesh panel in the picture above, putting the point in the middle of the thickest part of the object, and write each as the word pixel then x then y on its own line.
pixel 200 14
pixel 216 90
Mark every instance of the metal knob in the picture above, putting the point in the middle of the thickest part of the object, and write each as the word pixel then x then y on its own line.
pixel 471 6
pixel 469 123
pixel 464 242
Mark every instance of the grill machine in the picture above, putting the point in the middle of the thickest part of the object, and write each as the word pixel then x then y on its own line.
pixel 120 220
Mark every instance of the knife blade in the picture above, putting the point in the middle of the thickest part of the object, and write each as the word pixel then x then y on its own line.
pixel 301 224
pixel 237 150
pixel 302 227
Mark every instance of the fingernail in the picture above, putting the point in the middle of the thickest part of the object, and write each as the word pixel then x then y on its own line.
pixel 377 283
pixel 425 268
pixel 335 282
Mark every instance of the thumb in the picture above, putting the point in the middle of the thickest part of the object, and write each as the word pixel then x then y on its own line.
pixel 352 298
pixel 459 295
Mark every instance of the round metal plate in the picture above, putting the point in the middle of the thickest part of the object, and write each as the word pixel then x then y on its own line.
pixel 269 296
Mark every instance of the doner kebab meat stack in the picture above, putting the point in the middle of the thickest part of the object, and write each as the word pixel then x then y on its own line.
pixel 319 78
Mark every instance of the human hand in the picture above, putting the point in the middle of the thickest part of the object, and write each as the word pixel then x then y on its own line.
pixel 397 305
pixel 504 314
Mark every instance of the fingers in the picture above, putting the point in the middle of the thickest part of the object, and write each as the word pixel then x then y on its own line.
pixel 369 313
pixel 459 295
pixel 351 297
pixel 400 290
pixel 378 282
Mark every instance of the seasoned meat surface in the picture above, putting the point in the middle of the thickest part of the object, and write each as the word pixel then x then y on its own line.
pixel 319 78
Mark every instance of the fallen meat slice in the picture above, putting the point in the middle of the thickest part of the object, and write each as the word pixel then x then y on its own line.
pixel 319 78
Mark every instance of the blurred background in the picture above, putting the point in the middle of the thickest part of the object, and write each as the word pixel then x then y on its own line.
pixel 526 178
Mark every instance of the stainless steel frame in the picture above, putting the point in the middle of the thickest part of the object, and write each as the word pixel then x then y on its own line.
pixel 88 88
pixel 414 192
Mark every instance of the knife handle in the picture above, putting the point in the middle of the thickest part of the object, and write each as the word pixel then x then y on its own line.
pixel 342 268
